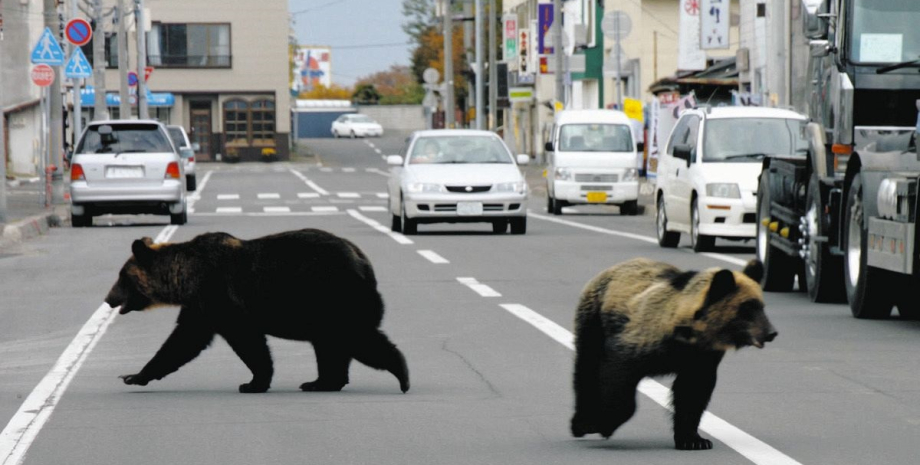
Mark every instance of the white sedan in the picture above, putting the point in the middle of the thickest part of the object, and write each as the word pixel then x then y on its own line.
pixel 457 176
pixel 355 125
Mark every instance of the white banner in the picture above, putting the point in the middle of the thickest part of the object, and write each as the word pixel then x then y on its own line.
pixel 690 57
pixel 714 21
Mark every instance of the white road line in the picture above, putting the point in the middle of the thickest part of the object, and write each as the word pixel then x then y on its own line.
pixel 752 448
pixel 228 196
pixel 269 196
pixel 349 195
pixel 478 287
pixel 379 227
pixel 196 196
pixel 378 171
pixel 348 170
pixel 324 209
pixel 276 209
pixel 370 144
pixel 263 214
pixel 309 183
pixel 24 426
pixel 383 195
pixel 432 257
pixel 373 208
pixel 638 237
pixel 326 170
pixel 379 152
pixel 307 195
pixel 229 209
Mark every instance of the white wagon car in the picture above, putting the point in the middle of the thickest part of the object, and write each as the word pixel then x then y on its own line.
pixel 457 176
pixel 355 125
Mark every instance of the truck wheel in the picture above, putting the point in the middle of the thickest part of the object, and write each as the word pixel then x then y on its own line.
pixel 630 208
pixel 666 238
pixel 557 206
pixel 823 271
pixel 699 242
pixel 868 290
pixel 778 268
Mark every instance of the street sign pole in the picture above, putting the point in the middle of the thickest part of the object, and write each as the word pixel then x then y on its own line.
pixel 77 125
pixel 3 204
pixel 55 109
pixel 448 95
pixel 139 25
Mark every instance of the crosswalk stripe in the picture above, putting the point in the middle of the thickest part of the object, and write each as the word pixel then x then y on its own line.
pixel 307 195
pixel 375 208
pixel 229 209
pixel 228 196
pixel 324 209
pixel 349 195
pixel 276 209
pixel 268 196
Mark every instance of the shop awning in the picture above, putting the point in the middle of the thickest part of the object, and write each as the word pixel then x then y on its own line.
pixel 112 99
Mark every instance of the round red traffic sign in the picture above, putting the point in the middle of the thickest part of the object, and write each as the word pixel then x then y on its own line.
pixel 42 75
pixel 78 31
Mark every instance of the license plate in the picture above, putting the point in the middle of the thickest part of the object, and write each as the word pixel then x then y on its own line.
pixel 120 172
pixel 597 197
pixel 469 208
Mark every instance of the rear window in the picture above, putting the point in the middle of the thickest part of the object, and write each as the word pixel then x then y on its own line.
pixel 595 138
pixel 177 137
pixel 125 138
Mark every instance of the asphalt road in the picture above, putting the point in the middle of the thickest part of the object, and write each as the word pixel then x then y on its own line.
pixel 483 320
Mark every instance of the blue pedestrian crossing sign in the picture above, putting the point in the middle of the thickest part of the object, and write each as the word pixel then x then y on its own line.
pixel 48 50
pixel 78 66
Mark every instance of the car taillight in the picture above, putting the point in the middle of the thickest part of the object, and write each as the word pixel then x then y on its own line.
pixel 191 159
pixel 76 173
pixel 172 170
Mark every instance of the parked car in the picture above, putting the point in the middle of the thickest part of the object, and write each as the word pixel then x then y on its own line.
pixel 457 176
pixel 707 175
pixel 180 140
pixel 355 125
pixel 592 160
pixel 126 166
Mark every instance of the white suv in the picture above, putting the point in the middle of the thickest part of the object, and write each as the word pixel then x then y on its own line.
pixel 707 175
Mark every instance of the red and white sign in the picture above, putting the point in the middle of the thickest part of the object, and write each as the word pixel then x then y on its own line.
pixel 42 75
pixel 147 72
pixel 78 31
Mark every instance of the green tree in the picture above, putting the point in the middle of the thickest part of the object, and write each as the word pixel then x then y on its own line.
pixel 366 94
pixel 419 16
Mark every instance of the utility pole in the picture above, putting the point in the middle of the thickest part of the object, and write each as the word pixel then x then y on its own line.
pixel 100 109
pixel 2 142
pixel 557 50
pixel 468 47
pixel 124 104
pixel 140 26
pixel 480 101
pixel 55 115
pixel 493 72
pixel 448 64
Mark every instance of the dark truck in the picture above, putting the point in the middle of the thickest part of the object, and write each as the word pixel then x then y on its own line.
pixel 842 215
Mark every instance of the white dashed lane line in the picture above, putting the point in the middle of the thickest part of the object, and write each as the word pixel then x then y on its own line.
pixel 276 209
pixel 310 183
pixel 307 195
pixel 478 287
pixel 269 196
pixel 228 196
pixel 381 228
pixel 433 257
pixel 229 210
pixel 373 208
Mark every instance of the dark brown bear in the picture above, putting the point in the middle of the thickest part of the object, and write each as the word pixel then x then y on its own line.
pixel 306 285
pixel 644 318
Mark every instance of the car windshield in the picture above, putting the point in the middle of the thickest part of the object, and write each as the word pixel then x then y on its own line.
pixel 361 119
pixel 177 137
pixel 595 138
pixel 885 31
pixel 750 139
pixel 459 149
pixel 124 138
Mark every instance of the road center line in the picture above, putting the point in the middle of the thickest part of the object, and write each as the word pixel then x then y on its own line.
pixel 638 237
pixel 379 227
pixel 479 288
pixel 752 448
pixel 309 183
pixel 32 415
pixel 432 256
pixel 196 196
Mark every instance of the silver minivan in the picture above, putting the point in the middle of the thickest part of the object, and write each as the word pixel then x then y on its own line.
pixel 126 167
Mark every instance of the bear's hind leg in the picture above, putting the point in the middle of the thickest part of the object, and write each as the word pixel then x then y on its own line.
pixel 375 350
pixel 332 361
pixel 252 348
pixel 691 392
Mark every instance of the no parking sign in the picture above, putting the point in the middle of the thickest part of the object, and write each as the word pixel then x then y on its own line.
pixel 78 32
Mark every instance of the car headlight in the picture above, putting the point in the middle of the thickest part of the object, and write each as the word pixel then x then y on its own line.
pixel 631 174
pixel 724 190
pixel 563 174
pixel 417 187
pixel 517 187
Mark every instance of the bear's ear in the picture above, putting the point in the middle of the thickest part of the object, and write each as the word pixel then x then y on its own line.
pixel 723 284
pixel 754 270
pixel 684 334
pixel 142 251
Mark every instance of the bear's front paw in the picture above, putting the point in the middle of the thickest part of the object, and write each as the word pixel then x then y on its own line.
pixel 136 379
pixel 692 443
pixel 321 386
pixel 582 426
pixel 254 388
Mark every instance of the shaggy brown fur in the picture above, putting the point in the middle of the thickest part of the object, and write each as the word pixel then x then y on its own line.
pixel 645 318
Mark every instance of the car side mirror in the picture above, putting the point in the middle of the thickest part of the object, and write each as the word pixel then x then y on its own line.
pixel 548 147
pixel 523 159
pixel 186 153
pixel 196 147
pixel 682 151
pixel 394 160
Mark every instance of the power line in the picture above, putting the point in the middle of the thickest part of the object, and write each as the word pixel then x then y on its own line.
pixel 393 44
pixel 317 7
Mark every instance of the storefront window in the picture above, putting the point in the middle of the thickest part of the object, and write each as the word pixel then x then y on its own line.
pixel 249 124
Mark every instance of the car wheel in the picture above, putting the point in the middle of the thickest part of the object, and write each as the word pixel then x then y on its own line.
pixel 868 288
pixel 191 183
pixel 549 203
pixel 396 223
pixel 666 238
pixel 519 225
pixel 499 226
pixel 353 135
pixel 179 218
pixel 81 221
pixel 630 208
pixel 557 206
pixel 823 271
pixel 409 226
pixel 778 275
pixel 699 242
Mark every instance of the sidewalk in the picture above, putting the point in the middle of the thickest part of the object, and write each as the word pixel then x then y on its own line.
pixel 26 217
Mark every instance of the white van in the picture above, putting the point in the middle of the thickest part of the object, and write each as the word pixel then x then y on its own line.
pixel 592 160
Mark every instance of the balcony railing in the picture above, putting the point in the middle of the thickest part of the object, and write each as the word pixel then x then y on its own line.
pixel 190 61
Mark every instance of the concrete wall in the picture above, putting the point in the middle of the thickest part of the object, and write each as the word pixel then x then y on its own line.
pixel 396 117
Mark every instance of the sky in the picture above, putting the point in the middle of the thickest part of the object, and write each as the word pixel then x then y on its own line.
pixel 366 36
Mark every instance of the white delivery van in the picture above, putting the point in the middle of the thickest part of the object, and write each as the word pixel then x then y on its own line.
pixel 592 160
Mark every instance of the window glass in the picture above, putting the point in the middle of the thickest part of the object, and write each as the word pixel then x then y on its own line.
pixel 679 134
pixel 693 132
pixel 194 45
pixel 263 123
pixel 177 137
pixel 885 31
pixel 595 138
pixel 459 150
pixel 236 122
pixel 750 139
pixel 125 138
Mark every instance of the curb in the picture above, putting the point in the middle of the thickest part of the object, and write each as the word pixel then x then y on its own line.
pixel 34 226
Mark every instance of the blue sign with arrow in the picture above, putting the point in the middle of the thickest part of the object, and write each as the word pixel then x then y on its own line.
pixel 78 66
pixel 47 50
